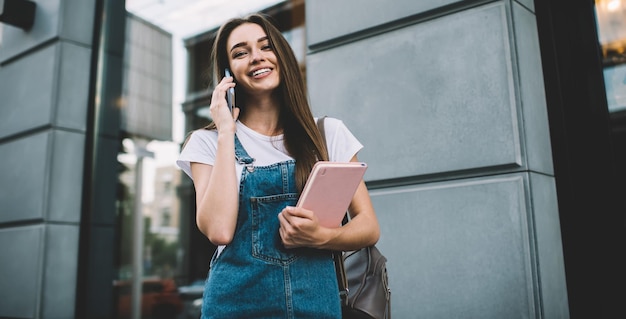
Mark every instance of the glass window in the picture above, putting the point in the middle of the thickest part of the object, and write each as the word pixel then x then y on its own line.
pixel 611 20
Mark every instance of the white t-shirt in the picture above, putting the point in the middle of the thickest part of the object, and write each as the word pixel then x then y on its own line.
pixel 266 150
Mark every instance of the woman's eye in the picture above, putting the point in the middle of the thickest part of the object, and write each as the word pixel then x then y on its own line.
pixel 266 47
pixel 239 54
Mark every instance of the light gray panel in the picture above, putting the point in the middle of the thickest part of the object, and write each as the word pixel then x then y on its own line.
pixel 60 271
pixel 528 4
pixel 534 109
pixel 66 182
pixel 27 91
pixel 45 27
pixel 458 249
pixel 21 264
pixel 429 98
pixel 23 166
pixel 549 246
pixel 76 23
pixel 73 81
pixel 328 19
pixel 70 19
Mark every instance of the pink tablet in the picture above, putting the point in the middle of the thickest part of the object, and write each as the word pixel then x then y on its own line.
pixel 329 190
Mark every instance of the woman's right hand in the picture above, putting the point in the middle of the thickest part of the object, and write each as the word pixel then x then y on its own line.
pixel 223 119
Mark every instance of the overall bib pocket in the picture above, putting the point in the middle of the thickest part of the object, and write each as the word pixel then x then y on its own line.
pixel 266 242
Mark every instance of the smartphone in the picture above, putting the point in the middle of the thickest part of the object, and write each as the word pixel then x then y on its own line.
pixel 230 94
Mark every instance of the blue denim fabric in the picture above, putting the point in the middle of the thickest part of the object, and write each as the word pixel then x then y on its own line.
pixel 255 276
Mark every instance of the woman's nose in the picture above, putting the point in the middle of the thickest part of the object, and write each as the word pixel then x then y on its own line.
pixel 256 56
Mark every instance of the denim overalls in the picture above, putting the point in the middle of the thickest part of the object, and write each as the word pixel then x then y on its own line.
pixel 255 276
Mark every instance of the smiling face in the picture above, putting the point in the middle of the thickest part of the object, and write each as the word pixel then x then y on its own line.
pixel 264 66
pixel 252 59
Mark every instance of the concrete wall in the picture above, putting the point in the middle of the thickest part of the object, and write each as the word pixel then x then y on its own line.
pixel 45 82
pixel 447 97
pixel 44 76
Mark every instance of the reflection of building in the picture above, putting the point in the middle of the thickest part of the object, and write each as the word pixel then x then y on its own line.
pixel 612 25
pixel 494 169
pixel 165 207
pixel 147 81
pixel 147 112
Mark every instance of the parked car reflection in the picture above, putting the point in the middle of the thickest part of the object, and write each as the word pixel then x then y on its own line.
pixel 192 299
pixel 160 299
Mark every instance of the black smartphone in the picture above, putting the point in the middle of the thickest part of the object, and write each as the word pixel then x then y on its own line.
pixel 230 94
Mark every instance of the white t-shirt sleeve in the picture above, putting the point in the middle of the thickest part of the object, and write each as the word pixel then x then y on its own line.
pixel 342 144
pixel 201 148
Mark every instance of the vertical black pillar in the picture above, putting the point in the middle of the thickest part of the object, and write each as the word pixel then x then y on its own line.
pixel 589 193
pixel 98 226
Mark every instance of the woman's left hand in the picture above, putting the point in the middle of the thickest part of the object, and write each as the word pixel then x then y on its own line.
pixel 299 227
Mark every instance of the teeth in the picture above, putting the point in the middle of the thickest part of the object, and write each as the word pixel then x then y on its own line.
pixel 260 71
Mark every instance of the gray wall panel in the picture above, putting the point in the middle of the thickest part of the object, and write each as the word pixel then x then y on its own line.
pixel 15 41
pixel 60 271
pixel 549 246
pixel 65 196
pixel 21 269
pixel 332 19
pixel 69 19
pixel 73 86
pixel 528 4
pixel 329 17
pixel 76 24
pixel 533 106
pixel 27 98
pixel 439 92
pixel 44 76
pixel 458 249
pixel 429 98
pixel 24 164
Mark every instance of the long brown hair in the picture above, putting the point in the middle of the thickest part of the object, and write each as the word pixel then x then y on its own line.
pixel 302 138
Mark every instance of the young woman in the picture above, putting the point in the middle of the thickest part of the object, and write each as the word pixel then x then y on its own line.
pixel 248 168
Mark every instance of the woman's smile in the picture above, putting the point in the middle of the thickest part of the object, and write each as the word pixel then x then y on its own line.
pixel 260 73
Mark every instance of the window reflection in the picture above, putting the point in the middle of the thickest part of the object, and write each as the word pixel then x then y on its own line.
pixel 611 20
pixel 149 252
pixel 161 246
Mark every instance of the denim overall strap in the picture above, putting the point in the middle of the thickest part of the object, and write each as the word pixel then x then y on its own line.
pixel 241 156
